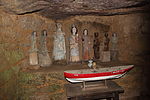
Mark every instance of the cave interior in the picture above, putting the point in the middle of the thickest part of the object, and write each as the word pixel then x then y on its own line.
pixel 19 80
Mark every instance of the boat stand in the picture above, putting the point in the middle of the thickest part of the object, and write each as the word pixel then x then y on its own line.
pixel 75 92
pixel 94 85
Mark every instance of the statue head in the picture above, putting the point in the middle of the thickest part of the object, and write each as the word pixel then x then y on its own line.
pixel 59 26
pixel 114 35
pixel 74 30
pixel 44 33
pixel 106 35
pixel 34 33
pixel 85 32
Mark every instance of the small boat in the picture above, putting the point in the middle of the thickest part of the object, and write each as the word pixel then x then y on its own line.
pixel 84 75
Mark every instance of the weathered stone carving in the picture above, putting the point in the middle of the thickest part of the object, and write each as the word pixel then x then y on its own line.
pixel 44 58
pixel 106 42
pixel 33 57
pixel 105 53
pixel 59 49
pixel 86 45
pixel 114 48
pixel 74 47
pixel 96 46
pixel 114 41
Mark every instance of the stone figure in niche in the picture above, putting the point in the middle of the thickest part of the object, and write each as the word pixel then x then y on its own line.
pixel 33 57
pixel 105 54
pixel 59 49
pixel 114 41
pixel 96 45
pixel 44 58
pixel 86 46
pixel 114 49
pixel 74 47
pixel 106 42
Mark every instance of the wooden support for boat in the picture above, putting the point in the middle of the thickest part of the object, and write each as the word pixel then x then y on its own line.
pixel 75 92
pixel 94 85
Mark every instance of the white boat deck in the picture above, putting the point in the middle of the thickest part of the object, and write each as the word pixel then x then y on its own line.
pixel 99 70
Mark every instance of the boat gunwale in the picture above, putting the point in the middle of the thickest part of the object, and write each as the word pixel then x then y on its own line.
pixel 113 69
pixel 74 75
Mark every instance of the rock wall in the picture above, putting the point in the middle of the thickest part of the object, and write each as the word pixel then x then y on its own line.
pixel 132 30
pixel 14 46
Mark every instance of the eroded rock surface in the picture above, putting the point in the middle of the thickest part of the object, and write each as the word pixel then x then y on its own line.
pixel 57 9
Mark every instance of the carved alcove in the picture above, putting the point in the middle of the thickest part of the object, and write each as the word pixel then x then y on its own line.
pixel 92 27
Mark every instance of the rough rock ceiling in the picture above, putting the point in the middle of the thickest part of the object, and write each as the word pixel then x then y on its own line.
pixel 57 9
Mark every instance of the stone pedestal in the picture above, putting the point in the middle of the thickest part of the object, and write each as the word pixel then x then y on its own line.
pixel 105 56
pixel 75 92
pixel 33 58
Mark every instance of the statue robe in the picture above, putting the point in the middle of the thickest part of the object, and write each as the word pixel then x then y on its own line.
pixel 86 47
pixel 44 58
pixel 74 49
pixel 114 41
pixel 59 50
pixel 106 44
pixel 114 49
pixel 33 56
pixel 96 47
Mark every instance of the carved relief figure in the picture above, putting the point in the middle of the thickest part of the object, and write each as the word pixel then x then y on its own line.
pixel 74 47
pixel 59 50
pixel 96 46
pixel 86 45
pixel 44 58
pixel 114 41
pixel 114 49
pixel 106 42
pixel 33 58
pixel 33 41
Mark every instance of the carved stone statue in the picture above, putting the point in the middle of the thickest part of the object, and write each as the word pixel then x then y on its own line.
pixel 96 46
pixel 59 50
pixel 105 54
pixel 86 46
pixel 106 42
pixel 74 47
pixel 114 49
pixel 114 41
pixel 33 57
pixel 44 58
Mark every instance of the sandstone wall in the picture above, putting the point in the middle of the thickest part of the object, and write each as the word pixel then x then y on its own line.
pixel 132 30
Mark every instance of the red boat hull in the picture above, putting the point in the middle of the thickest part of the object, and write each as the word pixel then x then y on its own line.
pixel 79 77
